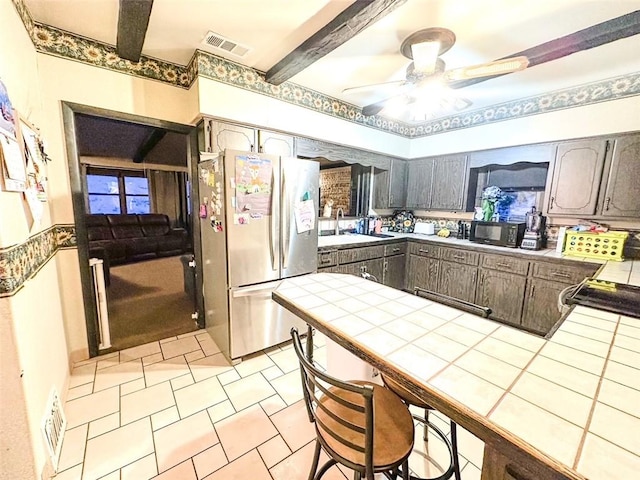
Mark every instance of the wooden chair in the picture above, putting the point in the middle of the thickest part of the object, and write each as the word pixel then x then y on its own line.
pixel 360 425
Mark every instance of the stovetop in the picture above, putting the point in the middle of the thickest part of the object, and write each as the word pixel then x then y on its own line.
pixel 609 296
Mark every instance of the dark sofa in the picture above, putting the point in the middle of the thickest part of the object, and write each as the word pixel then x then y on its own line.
pixel 121 239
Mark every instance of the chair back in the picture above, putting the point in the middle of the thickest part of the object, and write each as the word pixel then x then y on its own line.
pixel 342 412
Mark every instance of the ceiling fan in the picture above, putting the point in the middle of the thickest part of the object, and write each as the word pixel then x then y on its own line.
pixel 427 70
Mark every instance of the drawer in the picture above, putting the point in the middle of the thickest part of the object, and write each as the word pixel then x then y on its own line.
pixel 424 250
pixel 563 273
pixel 327 258
pixel 460 256
pixel 395 249
pixel 351 255
pixel 515 265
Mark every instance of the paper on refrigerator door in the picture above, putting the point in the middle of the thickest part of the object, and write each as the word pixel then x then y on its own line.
pixel 305 215
pixel 253 184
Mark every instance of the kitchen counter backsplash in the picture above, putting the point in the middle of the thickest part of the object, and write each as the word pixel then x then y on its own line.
pixel 403 221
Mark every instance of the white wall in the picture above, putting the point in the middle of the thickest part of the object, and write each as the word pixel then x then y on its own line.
pixel 231 103
pixel 598 119
pixel 34 351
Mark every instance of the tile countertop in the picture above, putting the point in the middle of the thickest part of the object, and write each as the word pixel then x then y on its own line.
pixel 572 402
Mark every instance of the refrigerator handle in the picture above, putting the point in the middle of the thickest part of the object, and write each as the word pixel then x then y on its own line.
pixel 286 213
pixel 272 231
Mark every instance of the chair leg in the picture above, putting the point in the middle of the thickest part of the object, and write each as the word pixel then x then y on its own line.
pixel 425 434
pixel 454 445
pixel 316 459
pixel 405 470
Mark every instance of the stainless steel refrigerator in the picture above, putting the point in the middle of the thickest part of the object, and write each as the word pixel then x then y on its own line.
pixel 258 225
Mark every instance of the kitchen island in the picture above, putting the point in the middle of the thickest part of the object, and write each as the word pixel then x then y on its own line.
pixel 564 407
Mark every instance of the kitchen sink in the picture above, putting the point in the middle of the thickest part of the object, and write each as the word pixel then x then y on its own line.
pixel 380 235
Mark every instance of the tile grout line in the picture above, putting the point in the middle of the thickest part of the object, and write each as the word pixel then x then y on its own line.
pixel 515 380
pixel 595 400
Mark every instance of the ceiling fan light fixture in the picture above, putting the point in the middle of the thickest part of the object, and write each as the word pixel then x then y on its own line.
pixel 499 67
pixel 425 55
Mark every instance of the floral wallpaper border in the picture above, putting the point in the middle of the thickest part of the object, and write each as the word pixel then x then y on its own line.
pixel 53 41
pixel 21 262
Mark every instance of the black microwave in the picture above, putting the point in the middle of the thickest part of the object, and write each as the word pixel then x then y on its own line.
pixel 504 234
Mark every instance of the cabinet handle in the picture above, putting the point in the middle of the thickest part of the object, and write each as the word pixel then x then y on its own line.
pixel 533 289
pixel 423 251
pixel 325 260
pixel 606 203
pixel 559 274
pixel 552 200
pixel 261 148
pixel 459 257
pixel 385 266
pixel 390 198
pixel 504 265
pixel 395 250
pixel 253 148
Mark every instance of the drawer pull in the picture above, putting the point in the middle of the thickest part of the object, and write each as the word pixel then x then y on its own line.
pixel 423 251
pixel 459 257
pixel 325 260
pixel 395 250
pixel 503 265
pixel 559 274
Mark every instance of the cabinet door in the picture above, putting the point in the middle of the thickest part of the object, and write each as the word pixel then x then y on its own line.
pixel 381 195
pixel 503 293
pixel 233 137
pixel 398 184
pixel 394 268
pixel 449 181
pixel 458 281
pixel 541 305
pixel 275 143
pixel 423 273
pixel 576 177
pixel 622 195
pixel 419 180
pixel 374 267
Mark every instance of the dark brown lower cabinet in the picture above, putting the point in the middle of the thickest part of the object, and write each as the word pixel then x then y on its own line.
pixel 423 273
pixel 541 305
pixel 374 267
pixel 458 280
pixel 503 293
pixel 394 271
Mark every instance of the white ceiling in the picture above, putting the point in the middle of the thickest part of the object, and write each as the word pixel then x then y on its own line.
pixel 485 30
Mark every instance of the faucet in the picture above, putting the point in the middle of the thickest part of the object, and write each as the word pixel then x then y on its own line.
pixel 339 211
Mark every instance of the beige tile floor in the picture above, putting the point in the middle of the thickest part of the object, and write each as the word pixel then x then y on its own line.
pixel 176 409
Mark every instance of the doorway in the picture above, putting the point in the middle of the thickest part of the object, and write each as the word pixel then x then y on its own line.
pixel 131 185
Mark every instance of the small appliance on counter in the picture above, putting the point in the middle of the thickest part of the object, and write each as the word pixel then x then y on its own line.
pixel 424 228
pixel 463 230
pixel 503 234
pixel 534 235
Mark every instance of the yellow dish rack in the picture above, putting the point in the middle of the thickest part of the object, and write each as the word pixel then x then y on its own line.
pixel 605 246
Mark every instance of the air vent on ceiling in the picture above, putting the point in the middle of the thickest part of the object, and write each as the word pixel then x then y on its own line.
pixel 221 43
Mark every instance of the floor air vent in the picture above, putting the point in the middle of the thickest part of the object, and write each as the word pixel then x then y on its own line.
pixel 54 424
pixel 224 44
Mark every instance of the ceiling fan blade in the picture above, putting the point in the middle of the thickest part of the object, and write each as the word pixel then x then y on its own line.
pixel 373 86
pixel 499 67
pixel 374 108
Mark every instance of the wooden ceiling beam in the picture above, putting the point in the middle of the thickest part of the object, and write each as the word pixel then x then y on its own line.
pixel 152 140
pixel 355 18
pixel 133 20
pixel 585 39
